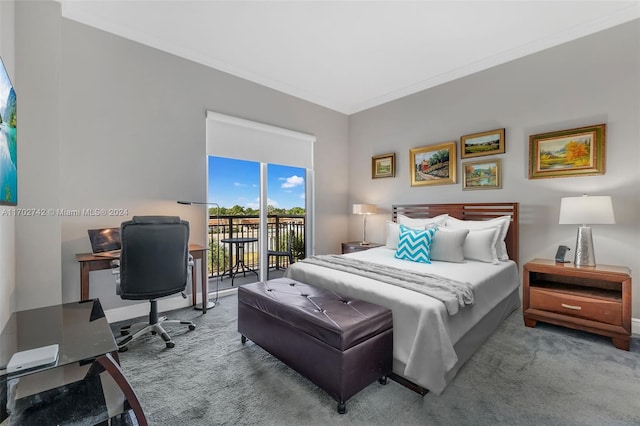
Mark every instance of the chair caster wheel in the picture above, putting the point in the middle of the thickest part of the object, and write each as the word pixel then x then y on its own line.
pixel 153 333
pixel 170 345
pixel 382 380
pixel 124 333
pixel 342 408
pixel 123 349
pixel 243 340
pixel 192 327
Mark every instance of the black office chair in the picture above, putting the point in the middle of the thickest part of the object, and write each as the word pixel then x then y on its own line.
pixel 288 253
pixel 154 262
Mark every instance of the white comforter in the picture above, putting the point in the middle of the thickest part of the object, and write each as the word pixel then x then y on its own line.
pixel 424 334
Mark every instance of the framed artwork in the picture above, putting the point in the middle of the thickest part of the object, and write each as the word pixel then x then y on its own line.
pixel 485 174
pixel 573 152
pixel 433 164
pixel 480 144
pixel 383 166
pixel 8 141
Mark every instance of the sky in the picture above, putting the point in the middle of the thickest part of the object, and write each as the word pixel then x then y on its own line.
pixel 234 182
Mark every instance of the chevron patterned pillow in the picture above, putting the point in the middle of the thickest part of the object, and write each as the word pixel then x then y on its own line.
pixel 415 244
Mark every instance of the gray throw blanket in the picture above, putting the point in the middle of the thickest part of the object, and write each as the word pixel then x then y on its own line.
pixel 454 294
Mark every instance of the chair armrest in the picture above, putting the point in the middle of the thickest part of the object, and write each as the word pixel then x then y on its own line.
pixel 115 270
pixel 190 266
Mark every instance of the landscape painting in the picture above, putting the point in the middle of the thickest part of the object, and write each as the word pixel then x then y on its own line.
pixel 433 164
pixel 482 174
pixel 383 166
pixel 484 143
pixel 573 152
pixel 8 141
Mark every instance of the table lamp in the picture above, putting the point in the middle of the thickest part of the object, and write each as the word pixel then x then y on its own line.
pixel 205 298
pixel 364 210
pixel 586 210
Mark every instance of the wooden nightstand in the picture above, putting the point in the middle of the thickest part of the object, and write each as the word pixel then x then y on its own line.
pixel 354 246
pixel 595 299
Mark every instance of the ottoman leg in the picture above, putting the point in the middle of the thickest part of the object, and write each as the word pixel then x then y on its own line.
pixel 382 380
pixel 342 407
pixel 243 339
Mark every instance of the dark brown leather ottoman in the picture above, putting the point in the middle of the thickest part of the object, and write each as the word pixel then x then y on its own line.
pixel 340 344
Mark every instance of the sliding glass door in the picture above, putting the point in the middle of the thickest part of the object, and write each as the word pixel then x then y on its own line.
pixel 247 236
pixel 278 186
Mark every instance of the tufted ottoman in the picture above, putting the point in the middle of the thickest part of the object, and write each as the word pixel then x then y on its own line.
pixel 340 344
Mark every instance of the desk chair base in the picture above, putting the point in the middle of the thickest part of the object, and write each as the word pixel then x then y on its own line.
pixel 154 326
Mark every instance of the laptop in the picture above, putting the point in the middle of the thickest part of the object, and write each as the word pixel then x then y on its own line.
pixel 33 358
pixel 105 241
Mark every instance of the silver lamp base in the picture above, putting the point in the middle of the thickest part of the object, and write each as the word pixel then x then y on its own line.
pixel 585 255
pixel 210 305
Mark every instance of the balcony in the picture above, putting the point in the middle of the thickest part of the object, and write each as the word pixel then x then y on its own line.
pixel 222 256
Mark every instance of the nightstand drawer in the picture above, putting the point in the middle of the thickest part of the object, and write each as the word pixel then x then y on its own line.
pixel 601 310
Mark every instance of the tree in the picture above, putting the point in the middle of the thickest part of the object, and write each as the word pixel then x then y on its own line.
pixel 236 211
pixel 576 150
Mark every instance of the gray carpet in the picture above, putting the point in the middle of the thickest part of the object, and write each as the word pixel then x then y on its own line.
pixel 521 376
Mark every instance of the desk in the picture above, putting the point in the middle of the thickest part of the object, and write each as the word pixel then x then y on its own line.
pixel 239 242
pixel 69 390
pixel 91 262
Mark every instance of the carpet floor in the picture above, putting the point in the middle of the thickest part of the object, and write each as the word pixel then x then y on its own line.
pixel 546 375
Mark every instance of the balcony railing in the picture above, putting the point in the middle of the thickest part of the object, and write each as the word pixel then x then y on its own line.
pixel 222 256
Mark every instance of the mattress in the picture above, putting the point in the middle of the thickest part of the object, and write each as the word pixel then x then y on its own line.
pixel 424 333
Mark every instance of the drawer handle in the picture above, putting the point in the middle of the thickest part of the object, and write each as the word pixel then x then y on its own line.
pixel 577 308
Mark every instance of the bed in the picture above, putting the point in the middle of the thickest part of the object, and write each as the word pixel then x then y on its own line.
pixel 431 344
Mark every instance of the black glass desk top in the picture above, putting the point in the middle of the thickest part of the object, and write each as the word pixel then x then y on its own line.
pixel 79 328
pixel 69 391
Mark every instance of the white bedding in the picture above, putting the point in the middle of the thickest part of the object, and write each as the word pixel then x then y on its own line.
pixel 424 334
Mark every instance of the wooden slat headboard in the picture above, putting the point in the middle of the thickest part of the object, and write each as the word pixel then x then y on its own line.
pixel 468 211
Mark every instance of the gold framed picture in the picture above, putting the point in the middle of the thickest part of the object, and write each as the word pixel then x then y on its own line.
pixel 480 144
pixel 485 174
pixel 564 153
pixel 433 164
pixel 383 166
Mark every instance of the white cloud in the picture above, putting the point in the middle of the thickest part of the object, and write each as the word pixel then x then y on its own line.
pixel 239 184
pixel 256 205
pixel 292 182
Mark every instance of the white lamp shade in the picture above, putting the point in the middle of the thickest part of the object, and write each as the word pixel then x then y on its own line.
pixel 365 209
pixel 586 210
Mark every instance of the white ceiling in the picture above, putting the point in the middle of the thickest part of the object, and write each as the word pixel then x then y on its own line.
pixel 351 55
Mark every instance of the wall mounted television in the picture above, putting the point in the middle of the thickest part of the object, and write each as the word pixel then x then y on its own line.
pixel 8 140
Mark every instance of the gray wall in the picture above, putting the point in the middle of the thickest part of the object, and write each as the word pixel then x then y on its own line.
pixel 593 80
pixel 126 129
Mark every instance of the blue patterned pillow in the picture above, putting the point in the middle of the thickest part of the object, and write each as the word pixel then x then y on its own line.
pixel 415 244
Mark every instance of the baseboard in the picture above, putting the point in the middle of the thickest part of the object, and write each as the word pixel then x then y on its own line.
pixel 635 325
pixel 166 304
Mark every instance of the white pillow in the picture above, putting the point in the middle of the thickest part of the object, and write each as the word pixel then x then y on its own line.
pixel 393 234
pixel 447 245
pixel 503 222
pixel 480 244
pixel 422 222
